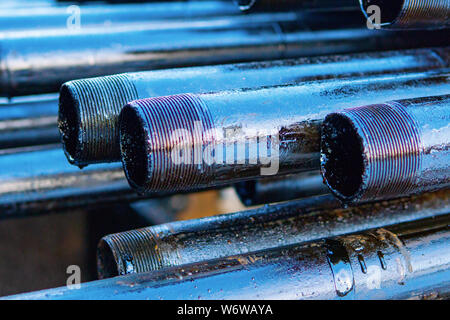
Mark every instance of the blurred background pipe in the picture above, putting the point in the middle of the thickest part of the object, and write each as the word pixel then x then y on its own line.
pixel 107 15
pixel 27 121
pixel 293 5
pixel 186 242
pixel 387 150
pixel 195 140
pixel 89 124
pixel 38 62
pixel 404 261
pixel 283 188
pixel 403 14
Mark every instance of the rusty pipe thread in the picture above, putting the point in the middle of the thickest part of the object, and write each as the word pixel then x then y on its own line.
pixel 89 108
pixel 186 242
pixel 378 151
pixel 399 14
pixel 86 117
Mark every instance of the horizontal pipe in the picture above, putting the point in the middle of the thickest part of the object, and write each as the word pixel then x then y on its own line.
pixel 194 140
pixel 37 62
pixel 181 243
pixel 91 137
pixel 403 14
pixel 28 122
pixel 291 5
pixel 284 188
pixel 94 14
pixel 387 150
pixel 399 262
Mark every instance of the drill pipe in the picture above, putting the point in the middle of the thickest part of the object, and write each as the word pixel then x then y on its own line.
pixel 284 188
pixel 180 243
pixel 57 17
pixel 291 5
pixel 27 122
pixel 196 140
pixel 409 260
pixel 387 150
pixel 89 124
pixel 40 61
pixel 39 180
pixel 401 14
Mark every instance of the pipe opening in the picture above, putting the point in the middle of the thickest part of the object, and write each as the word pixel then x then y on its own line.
pixel 342 159
pixel 69 123
pixel 133 146
pixel 106 262
pixel 389 9
pixel 246 192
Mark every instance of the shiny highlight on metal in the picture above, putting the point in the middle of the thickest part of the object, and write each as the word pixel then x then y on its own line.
pixel 186 242
pixel 293 5
pixel 203 140
pixel 401 14
pixel 387 150
pixel 407 261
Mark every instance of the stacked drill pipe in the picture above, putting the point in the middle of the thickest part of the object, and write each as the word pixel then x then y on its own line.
pixel 409 260
pixel 29 121
pixel 182 141
pixel 387 150
pixel 291 5
pixel 404 14
pixel 281 188
pixel 89 108
pixel 59 17
pixel 187 242
pixel 38 61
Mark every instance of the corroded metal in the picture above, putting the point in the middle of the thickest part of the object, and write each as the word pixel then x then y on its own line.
pixel 387 150
pixel 182 141
pixel 186 242
pixel 398 14
pixel 89 108
pixel 283 188
pixel 404 261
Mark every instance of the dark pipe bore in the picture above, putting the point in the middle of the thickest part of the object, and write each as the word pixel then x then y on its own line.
pixel 68 123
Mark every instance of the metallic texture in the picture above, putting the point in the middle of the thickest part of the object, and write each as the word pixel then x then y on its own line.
pixel 292 5
pixel 14 19
pixel 411 260
pixel 311 219
pixel 400 14
pixel 29 121
pixel 198 140
pixel 387 150
pixel 284 188
pixel 89 108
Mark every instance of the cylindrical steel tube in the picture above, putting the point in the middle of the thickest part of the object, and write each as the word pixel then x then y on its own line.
pixel 404 261
pixel 89 125
pixel 292 5
pixel 186 242
pixel 387 150
pixel 29 121
pixel 192 140
pixel 283 188
pixel 37 62
pixel 64 16
pixel 407 13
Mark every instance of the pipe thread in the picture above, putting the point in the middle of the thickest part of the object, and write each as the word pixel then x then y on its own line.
pixel 424 12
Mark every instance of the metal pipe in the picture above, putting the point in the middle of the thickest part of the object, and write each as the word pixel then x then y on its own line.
pixel 186 242
pixel 410 260
pixel 29 121
pixel 89 125
pixel 192 140
pixel 107 15
pixel 292 5
pixel 37 62
pixel 387 150
pixel 284 188
pixel 401 14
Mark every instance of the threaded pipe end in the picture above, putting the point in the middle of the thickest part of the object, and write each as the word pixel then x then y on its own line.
pixel 133 251
pixel 371 152
pixel 162 142
pixel 88 117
